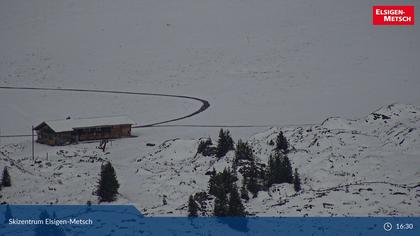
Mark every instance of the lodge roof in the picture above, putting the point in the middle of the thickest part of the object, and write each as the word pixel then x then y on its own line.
pixel 73 124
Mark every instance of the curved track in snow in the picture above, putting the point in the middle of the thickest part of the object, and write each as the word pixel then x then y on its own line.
pixel 204 103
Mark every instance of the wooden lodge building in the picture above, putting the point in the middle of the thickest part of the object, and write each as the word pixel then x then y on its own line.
pixel 62 132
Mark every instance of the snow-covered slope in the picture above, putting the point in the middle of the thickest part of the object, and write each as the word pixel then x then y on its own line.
pixel 368 166
pixel 295 61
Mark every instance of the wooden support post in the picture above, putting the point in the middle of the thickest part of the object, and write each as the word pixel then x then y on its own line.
pixel 33 144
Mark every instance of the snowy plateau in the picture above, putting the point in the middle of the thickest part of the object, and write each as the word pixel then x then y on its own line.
pixel 264 67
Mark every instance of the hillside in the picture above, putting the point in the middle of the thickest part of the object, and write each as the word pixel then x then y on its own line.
pixel 367 166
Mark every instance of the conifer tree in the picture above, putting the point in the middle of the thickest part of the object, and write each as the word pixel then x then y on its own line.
pixel 270 171
pixel 281 143
pixel 236 208
pixel 192 207
pixel 243 151
pixel 221 182
pixel 229 141
pixel 221 144
pixel 244 191
pixel 253 186
pixel 287 171
pixel 224 144
pixel 212 182
pixel 252 180
pixel 296 181
pixel 228 179
pixel 5 181
pixel 108 184
pixel 221 185
pixel 279 170
pixel 221 205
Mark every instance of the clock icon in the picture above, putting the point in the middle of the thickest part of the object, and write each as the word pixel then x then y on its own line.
pixel 387 226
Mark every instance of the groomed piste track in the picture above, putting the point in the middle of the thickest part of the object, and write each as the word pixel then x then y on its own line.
pixel 160 124
pixel 204 103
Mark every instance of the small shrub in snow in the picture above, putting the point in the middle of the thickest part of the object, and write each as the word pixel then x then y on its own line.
pixel 205 148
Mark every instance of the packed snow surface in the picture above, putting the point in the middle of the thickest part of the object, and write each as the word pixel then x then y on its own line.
pixel 264 62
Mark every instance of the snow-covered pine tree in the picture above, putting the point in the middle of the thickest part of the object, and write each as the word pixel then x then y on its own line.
pixel 108 184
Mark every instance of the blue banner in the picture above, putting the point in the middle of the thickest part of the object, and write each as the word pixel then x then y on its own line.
pixel 60 220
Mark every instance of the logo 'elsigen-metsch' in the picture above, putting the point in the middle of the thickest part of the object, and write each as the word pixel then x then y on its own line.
pixel 393 15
